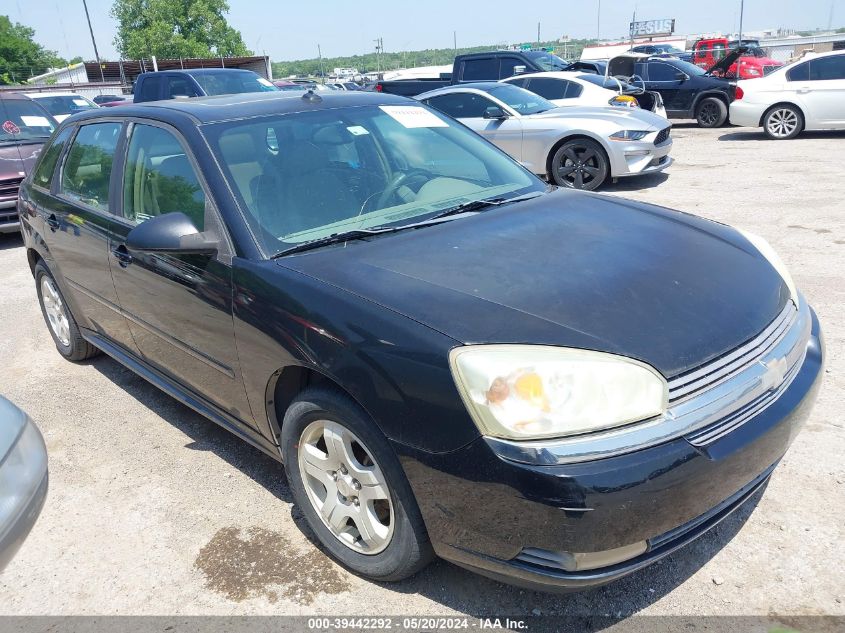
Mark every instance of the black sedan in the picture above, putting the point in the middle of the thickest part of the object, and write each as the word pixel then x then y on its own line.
pixel 448 356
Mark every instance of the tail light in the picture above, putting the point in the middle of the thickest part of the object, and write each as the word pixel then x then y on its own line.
pixel 739 93
pixel 379 88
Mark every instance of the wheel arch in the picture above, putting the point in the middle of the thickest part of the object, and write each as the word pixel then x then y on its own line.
pixel 705 94
pixel 33 257
pixel 784 103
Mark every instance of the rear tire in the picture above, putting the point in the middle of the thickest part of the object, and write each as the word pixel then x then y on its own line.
pixel 349 485
pixel 783 122
pixel 579 163
pixel 60 321
pixel 711 112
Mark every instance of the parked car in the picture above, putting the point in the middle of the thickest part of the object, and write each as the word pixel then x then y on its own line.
pixel 588 66
pixel 806 95
pixel 582 89
pixel 448 355
pixel 290 86
pixel 656 49
pixel 472 67
pixel 24 126
pixel 62 104
pixel 23 478
pixel 197 82
pixel 577 147
pixel 753 62
pixel 101 100
pixel 688 92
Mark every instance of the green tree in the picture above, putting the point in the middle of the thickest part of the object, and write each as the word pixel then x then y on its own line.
pixel 21 56
pixel 175 28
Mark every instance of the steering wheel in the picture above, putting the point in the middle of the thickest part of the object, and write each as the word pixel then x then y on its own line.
pixel 398 181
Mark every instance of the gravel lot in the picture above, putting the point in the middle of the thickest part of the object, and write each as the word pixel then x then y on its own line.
pixel 154 510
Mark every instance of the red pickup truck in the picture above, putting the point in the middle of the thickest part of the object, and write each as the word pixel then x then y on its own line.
pixel 752 63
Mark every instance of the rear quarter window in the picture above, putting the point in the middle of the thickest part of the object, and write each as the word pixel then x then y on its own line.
pixel 43 175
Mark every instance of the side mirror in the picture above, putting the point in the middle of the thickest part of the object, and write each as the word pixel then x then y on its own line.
pixel 519 70
pixel 173 233
pixel 494 112
pixel 681 76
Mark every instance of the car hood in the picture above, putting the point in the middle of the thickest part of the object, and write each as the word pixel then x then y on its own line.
pixel 623 117
pixel 569 269
pixel 17 159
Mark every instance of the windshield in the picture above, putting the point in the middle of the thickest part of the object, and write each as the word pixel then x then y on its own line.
pixel 521 100
pixel 690 69
pixel 22 120
pixel 546 61
pixel 228 82
pixel 667 48
pixel 308 175
pixel 64 104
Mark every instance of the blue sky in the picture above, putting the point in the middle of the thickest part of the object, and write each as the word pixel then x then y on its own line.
pixel 292 30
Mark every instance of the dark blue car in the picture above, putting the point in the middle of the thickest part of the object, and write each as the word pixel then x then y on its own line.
pixel 449 356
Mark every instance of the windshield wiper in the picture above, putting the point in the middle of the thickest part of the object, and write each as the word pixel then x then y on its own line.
pixel 359 234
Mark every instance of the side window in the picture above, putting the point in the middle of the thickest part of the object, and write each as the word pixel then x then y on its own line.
pixel 827 68
pixel 159 178
pixel 480 69
pixel 43 175
pixel 87 169
pixel 801 72
pixel 661 72
pixel 573 90
pixel 718 51
pixel 461 105
pixel 548 88
pixel 179 87
pixel 507 66
pixel 150 89
pixel 522 83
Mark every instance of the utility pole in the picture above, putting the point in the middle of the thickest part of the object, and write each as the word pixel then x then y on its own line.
pixel 94 42
pixel 538 35
pixel 320 55
pixel 598 22
pixel 455 36
pixel 741 13
pixel 379 50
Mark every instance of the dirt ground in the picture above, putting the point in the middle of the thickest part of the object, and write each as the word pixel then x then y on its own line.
pixel 154 510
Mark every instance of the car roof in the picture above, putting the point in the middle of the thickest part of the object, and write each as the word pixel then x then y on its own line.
pixel 568 75
pixel 18 96
pixel 246 105
pixel 63 93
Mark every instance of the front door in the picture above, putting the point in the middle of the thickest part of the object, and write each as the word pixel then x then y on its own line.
pixel 664 79
pixel 179 307
pixel 78 220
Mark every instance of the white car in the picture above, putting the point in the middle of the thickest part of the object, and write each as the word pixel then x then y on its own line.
pixel 577 147
pixel 806 95
pixel 62 104
pixel 566 89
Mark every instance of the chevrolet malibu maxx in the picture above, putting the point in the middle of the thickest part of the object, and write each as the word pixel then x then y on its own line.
pixel 449 357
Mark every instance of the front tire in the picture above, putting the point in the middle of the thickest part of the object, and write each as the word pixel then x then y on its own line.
pixel 783 122
pixel 347 481
pixel 60 321
pixel 711 112
pixel 579 164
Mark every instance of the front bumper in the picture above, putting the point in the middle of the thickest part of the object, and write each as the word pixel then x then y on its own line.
pixel 637 158
pixel 9 222
pixel 483 511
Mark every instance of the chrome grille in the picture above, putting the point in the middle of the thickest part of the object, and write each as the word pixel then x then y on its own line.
pixel 662 135
pixel 9 187
pixel 697 380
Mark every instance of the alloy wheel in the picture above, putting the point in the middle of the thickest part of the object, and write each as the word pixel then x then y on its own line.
pixel 709 114
pixel 580 166
pixel 346 487
pixel 782 122
pixel 55 310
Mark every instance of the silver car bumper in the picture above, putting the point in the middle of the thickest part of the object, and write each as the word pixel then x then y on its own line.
pixel 635 158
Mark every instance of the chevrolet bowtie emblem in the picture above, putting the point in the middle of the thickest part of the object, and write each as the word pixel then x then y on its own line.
pixel 775 373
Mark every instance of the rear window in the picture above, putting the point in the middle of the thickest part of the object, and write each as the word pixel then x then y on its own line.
pixel 228 83
pixel 475 69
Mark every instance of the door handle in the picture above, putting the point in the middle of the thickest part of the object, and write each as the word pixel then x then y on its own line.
pixel 804 90
pixel 53 222
pixel 122 255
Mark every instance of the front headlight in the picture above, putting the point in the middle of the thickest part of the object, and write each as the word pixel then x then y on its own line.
pixel 766 250
pixel 21 472
pixel 523 392
pixel 629 135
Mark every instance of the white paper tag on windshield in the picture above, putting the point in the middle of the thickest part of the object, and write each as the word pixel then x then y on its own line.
pixel 35 121
pixel 80 102
pixel 357 130
pixel 414 116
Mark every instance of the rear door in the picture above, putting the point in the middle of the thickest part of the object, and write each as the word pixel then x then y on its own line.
pixel 179 307
pixel 79 218
pixel 469 107
pixel 824 92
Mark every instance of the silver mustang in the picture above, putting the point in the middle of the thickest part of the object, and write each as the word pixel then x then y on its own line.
pixel 578 147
